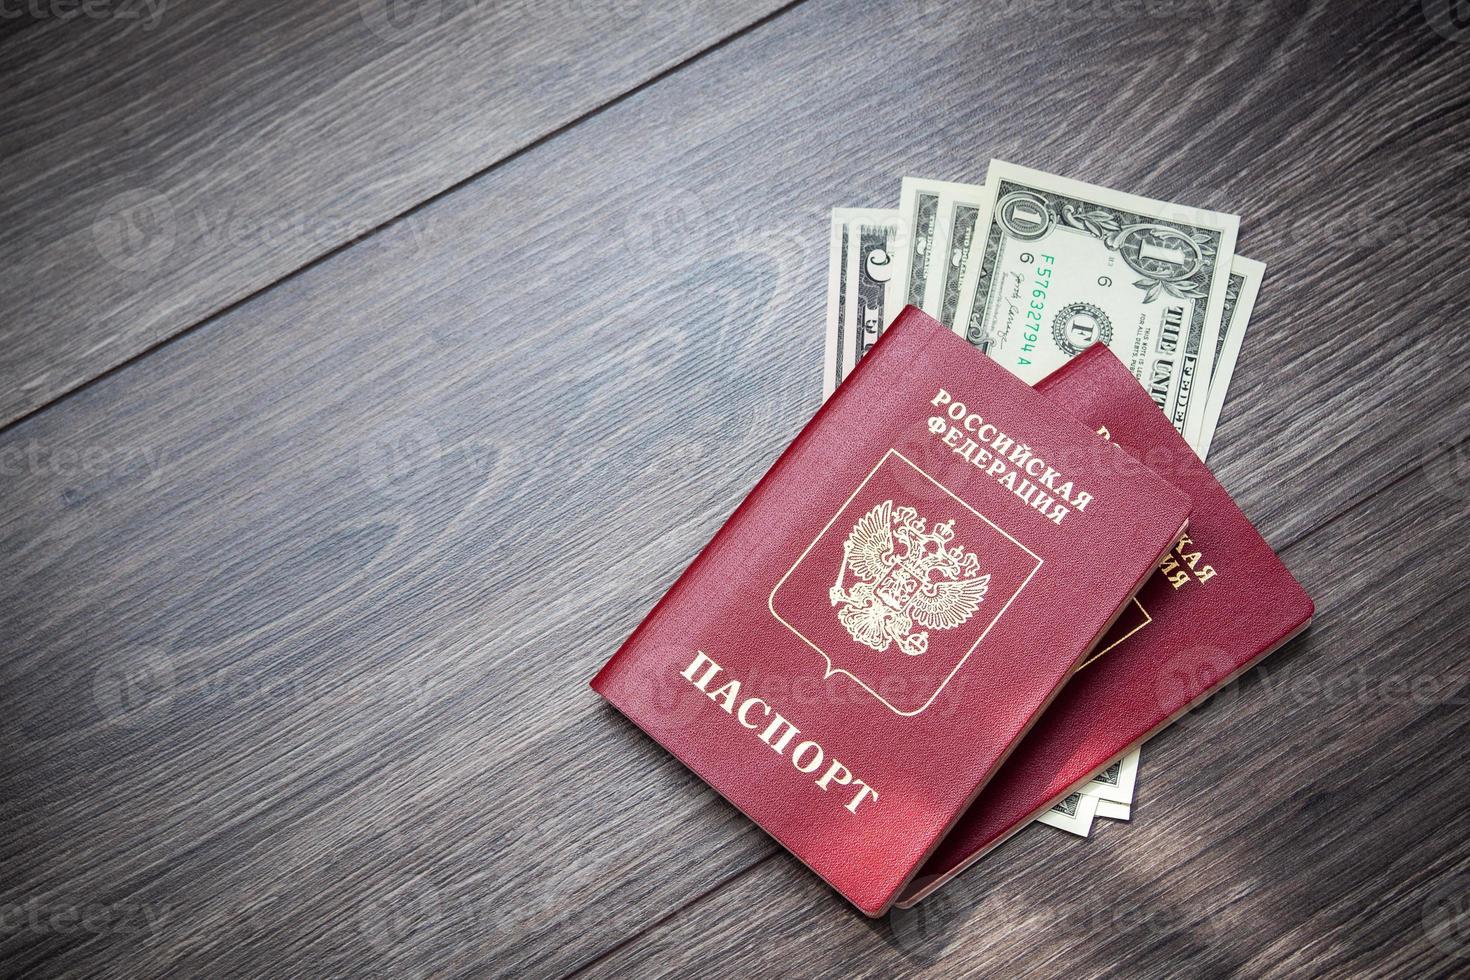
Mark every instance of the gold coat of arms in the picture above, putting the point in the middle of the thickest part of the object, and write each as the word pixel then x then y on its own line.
pixel 909 580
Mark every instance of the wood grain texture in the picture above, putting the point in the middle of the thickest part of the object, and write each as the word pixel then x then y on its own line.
pixel 165 159
pixel 300 607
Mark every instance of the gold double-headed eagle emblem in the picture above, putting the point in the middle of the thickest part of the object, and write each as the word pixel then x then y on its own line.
pixel 907 578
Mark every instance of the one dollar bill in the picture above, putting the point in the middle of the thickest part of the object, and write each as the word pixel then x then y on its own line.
pixel 941 216
pixel 862 296
pixel 1108 794
pixel 1058 265
pixel 1115 783
pixel 1073 813
pixel 1240 300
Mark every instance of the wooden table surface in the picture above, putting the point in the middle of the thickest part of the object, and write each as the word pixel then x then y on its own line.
pixel 371 367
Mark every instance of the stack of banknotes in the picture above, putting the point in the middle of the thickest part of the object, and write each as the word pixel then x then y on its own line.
pixel 1032 269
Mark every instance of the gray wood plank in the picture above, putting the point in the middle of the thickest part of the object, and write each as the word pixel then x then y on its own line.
pixel 161 167
pixel 300 607
pixel 1301 823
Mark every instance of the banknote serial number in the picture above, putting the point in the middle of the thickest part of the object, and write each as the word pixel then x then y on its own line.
pixel 1036 310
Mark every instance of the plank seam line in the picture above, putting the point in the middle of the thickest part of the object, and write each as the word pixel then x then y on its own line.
pixel 1366 498
pixel 672 913
pixel 509 157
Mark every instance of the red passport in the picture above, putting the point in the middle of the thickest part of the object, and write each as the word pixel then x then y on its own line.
pixel 871 632
pixel 1218 603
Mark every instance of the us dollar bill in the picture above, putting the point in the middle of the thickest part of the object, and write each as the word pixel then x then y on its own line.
pixel 959 214
pixel 1059 264
pixel 835 364
pixel 862 295
pixel 940 216
pixel 1073 813
pixel 918 207
pixel 1107 794
pixel 1240 301
pixel 1115 783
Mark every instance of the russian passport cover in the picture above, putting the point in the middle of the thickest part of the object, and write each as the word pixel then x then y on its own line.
pixel 869 634
pixel 1217 603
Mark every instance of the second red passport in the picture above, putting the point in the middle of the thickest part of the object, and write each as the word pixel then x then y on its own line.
pixel 862 644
